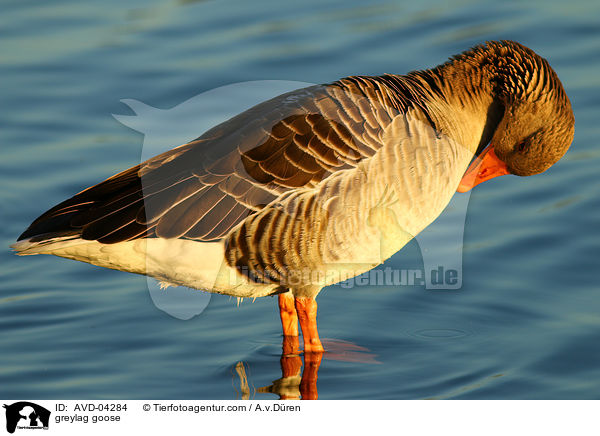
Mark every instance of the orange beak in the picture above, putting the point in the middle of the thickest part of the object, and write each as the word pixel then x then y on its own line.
pixel 485 167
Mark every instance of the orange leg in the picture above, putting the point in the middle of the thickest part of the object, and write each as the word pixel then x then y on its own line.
pixel 289 323
pixel 307 314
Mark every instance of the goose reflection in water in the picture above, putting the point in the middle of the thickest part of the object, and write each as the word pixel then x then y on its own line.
pixel 296 382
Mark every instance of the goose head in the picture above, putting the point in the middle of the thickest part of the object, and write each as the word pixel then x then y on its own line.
pixel 537 126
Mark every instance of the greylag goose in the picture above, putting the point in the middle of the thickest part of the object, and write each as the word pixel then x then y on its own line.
pixel 319 184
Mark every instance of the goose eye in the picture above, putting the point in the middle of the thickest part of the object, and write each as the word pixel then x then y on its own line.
pixel 521 146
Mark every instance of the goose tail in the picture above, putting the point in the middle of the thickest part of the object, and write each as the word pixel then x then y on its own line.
pixel 44 244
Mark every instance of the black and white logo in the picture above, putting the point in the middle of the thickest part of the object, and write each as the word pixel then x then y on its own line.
pixel 26 415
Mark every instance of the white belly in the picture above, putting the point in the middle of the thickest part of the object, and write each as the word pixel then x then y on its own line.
pixel 198 265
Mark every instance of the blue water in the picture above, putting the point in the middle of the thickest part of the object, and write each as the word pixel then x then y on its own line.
pixel 525 324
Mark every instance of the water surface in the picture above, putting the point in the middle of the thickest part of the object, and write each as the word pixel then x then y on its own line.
pixel 525 323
